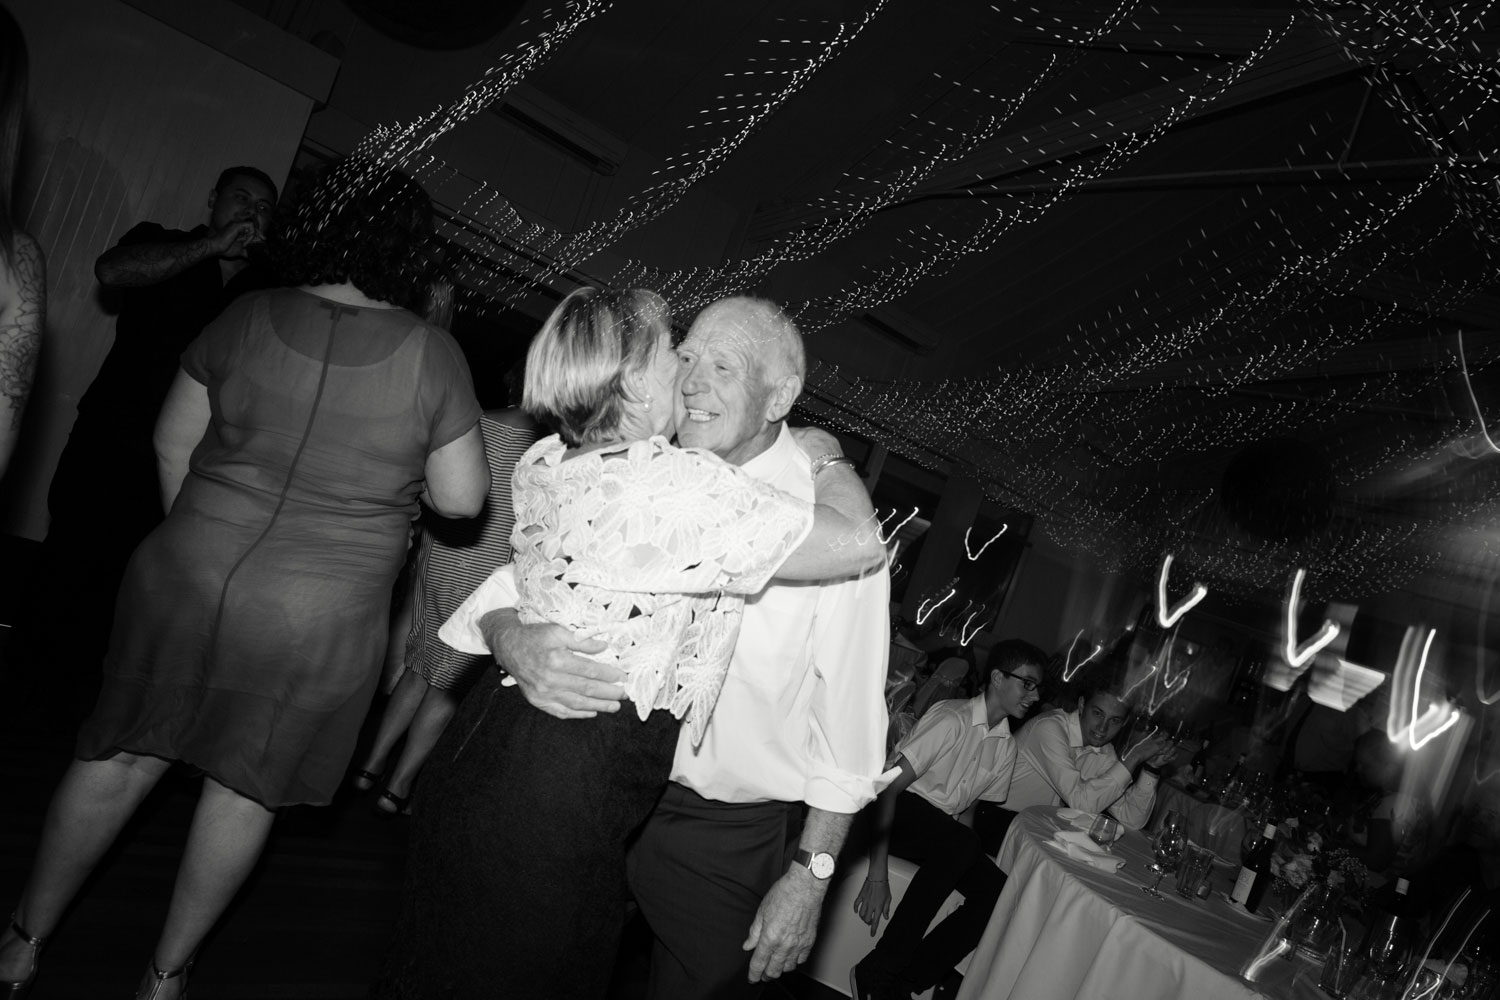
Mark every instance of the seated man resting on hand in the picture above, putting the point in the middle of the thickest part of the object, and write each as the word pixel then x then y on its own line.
pixel 961 751
pixel 1066 758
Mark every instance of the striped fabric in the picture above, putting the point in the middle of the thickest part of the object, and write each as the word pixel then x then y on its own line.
pixel 456 556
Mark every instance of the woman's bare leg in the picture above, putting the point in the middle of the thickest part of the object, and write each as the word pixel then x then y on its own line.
pixel 432 717
pixel 91 805
pixel 226 838
pixel 402 707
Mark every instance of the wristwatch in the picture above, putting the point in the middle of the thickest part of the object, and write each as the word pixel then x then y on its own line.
pixel 820 864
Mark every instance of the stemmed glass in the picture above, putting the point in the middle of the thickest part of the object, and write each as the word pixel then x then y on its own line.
pixel 1104 830
pixel 1168 848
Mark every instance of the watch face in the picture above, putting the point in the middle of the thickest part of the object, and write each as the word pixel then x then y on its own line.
pixel 821 865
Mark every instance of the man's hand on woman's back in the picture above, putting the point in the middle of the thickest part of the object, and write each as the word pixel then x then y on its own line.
pixel 544 659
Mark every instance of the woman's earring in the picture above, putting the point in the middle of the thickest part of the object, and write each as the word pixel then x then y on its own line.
pixel 647 404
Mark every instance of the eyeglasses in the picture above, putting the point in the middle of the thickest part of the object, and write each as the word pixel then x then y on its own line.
pixel 1026 682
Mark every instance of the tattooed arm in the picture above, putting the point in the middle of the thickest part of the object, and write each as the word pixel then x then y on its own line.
pixel 23 309
pixel 134 265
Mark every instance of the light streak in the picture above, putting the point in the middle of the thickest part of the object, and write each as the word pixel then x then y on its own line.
pixel 1069 669
pixel 922 616
pixel 1297 655
pixel 1402 718
pixel 1463 364
pixel 1168 618
pixel 1166 659
pixel 898 527
pixel 1265 956
pixel 1143 678
pixel 1153 705
pixel 965 636
pixel 974 556
pixel 1462 945
pixel 1150 733
pixel 1163 681
pixel 952 617
pixel 1481 653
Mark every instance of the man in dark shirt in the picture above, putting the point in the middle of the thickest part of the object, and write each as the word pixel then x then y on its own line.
pixel 105 497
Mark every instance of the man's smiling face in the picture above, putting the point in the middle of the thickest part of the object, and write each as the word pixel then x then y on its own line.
pixel 724 393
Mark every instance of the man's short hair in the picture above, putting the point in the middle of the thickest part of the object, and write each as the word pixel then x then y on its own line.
pixel 784 354
pixel 1011 655
pixel 250 172
pixel 577 362
pixel 1111 678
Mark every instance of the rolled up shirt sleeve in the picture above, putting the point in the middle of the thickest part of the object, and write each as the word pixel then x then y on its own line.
pixel 461 630
pixel 848 720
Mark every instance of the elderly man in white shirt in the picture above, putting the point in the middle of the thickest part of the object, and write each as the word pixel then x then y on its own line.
pixel 1066 758
pixel 728 871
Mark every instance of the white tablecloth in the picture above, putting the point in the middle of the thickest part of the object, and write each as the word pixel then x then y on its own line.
pixel 1065 931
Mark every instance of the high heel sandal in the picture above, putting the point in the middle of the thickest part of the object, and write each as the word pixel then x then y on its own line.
pixel 16 989
pixel 399 805
pixel 363 780
pixel 159 978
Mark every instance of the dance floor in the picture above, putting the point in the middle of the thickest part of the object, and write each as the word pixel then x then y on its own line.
pixel 310 924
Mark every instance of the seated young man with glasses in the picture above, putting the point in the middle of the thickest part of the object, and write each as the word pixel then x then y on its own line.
pixel 1066 758
pixel 960 752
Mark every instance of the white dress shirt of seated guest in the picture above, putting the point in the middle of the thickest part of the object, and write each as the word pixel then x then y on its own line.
pixel 1055 765
pixel 959 758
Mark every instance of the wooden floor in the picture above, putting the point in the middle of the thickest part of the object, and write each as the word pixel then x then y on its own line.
pixel 311 923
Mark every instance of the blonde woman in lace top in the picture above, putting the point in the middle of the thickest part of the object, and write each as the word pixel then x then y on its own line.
pixel 653 549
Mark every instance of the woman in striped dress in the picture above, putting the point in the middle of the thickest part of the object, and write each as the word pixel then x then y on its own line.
pixel 455 558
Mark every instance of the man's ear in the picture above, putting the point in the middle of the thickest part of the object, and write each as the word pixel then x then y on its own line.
pixel 784 393
pixel 213 199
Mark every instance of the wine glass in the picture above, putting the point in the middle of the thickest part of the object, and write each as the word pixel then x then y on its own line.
pixel 1104 830
pixel 1168 849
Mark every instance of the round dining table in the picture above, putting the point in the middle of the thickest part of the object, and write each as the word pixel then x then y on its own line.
pixel 1067 930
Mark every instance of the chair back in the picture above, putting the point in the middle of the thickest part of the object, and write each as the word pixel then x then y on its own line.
pixel 946 681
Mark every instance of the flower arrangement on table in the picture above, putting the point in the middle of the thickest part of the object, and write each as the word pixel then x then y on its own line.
pixel 1302 856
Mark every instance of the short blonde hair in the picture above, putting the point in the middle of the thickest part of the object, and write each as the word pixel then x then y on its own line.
pixel 577 363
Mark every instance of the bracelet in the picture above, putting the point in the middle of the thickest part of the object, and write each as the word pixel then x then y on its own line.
pixel 824 461
pixel 1153 770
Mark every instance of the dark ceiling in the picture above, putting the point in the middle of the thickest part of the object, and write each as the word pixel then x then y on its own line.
pixel 1093 254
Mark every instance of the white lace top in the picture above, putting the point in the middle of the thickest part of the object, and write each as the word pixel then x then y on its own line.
pixel 652 547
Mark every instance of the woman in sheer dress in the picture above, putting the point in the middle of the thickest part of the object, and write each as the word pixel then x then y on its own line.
pixel 250 628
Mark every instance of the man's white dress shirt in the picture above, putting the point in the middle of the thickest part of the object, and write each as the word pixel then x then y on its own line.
pixel 1055 767
pixel 958 757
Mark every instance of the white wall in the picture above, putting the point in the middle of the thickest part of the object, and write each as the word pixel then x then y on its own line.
pixel 129 120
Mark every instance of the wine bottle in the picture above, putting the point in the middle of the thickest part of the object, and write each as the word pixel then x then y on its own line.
pixel 1389 936
pixel 1255 875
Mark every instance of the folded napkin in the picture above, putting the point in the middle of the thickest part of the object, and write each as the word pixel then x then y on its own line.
pixel 1078 845
pixel 1077 818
